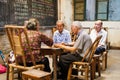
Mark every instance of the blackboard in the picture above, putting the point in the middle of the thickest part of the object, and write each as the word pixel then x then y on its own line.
pixel 17 11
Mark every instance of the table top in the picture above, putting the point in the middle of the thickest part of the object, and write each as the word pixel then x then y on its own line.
pixel 46 50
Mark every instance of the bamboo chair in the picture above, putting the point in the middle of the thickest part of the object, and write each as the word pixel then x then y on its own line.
pixel 103 56
pixel 87 64
pixel 73 37
pixel 15 39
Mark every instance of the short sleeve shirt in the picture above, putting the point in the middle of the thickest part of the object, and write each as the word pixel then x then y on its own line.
pixel 62 37
pixel 82 43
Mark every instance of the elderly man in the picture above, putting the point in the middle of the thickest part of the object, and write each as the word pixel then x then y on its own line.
pixel 96 32
pixel 75 52
pixel 61 35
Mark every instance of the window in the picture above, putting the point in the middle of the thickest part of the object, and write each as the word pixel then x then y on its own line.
pixel 79 10
pixel 102 9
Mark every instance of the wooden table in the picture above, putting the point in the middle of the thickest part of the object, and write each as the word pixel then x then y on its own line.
pixel 45 50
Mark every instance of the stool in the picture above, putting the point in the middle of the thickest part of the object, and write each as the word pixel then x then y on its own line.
pixel 34 74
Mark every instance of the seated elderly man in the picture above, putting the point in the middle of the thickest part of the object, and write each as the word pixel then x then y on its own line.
pixel 61 35
pixel 75 52
pixel 96 32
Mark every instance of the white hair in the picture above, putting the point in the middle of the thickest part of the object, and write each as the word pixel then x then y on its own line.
pixel 60 21
pixel 77 24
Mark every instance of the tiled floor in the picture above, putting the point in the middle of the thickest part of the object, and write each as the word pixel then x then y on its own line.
pixel 112 72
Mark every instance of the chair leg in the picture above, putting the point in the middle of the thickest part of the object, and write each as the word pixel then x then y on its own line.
pixel 92 71
pixel 106 59
pixel 98 63
pixel 103 62
pixel 19 75
pixel 24 77
pixel 86 72
pixel 96 67
pixel 7 78
pixel 11 73
pixel 69 72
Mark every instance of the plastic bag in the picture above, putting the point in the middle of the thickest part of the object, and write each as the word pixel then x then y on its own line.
pixel 2 69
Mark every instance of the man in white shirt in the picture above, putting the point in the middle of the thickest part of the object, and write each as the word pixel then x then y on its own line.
pixel 96 32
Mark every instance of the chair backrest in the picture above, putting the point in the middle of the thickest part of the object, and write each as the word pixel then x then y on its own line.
pixel 73 37
pixel 106 29
pixel 90 51
pixel 15 34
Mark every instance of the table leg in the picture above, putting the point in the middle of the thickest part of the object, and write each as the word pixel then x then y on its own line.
pixel 55 66
pixel 7 78
pixel 11 73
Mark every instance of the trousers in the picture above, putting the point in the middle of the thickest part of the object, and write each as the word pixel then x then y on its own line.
pixel 65 60
pixel 99 50
pixel 44 61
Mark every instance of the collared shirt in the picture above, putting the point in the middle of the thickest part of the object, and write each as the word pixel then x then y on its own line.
pixel 82 43
pixel 62 37
pixel 94 35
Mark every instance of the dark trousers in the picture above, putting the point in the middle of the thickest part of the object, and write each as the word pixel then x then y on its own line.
pixel 99 50
pixel 65 60
pixel 44 61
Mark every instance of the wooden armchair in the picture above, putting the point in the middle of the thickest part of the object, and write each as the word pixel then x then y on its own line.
pixel 105 53
pixel 15 39
pixel 87 64
pixel 103 56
